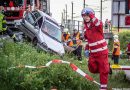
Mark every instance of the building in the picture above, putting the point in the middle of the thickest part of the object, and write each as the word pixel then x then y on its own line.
pixel 121 13
pixel 45 6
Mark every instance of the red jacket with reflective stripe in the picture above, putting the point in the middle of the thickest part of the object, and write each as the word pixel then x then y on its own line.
pixel 128 46
pixel 95 38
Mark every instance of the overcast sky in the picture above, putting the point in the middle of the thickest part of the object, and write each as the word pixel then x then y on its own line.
pixel 57 6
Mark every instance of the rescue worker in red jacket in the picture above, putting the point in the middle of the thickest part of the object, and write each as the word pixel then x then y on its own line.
pixel 128 50
pixel 96 47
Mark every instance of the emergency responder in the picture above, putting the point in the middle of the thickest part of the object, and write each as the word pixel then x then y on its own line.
pixel 3 26
pixel 77 48
pixel 76 34
pixel 116 50
pixel 128 50
pixel 65 35
pixel 96 47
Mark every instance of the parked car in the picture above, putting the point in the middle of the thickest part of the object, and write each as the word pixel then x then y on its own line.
pixel 43 30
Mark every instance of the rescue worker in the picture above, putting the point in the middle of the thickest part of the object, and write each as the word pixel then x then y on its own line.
pixel 116 50
pixel 68 46
pixel 96 46
pixel 128 50
pixel 76 34
pixel 107 26
pixel 65 35
pixel 77 48
pixel 3 26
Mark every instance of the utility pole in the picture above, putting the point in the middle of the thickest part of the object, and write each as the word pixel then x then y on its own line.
pixel 72 15
pixel 101 11
pixel 84 4
pixel 118 16
pixel 62 18
pixel 66 14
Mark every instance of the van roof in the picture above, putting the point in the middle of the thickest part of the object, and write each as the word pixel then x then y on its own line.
pixel 48 17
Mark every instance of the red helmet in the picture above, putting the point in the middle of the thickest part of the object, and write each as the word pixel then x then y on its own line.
pixel 87 11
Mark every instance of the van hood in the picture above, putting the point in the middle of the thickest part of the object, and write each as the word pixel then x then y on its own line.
pixel 51 43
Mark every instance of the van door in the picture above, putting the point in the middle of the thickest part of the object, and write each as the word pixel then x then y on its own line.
pixel 29 24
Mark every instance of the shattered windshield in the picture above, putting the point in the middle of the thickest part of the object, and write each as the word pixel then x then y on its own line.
pixel 52 30
pixel 12 3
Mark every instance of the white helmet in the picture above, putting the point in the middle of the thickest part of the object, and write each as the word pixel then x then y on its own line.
pixel 66 30
pixel 115 36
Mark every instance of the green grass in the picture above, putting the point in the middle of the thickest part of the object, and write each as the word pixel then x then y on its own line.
pixel 57 75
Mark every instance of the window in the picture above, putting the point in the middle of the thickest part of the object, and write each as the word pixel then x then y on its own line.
pixel 119 7
pixel 127 7
pixel 52 30
pixel 29 18
pixel 36 14
pixel 15 2
pixel 39 22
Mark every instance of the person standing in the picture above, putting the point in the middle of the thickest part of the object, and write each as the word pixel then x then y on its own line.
pixel 96 47
pixel 116 50
pixel 3 25
pixel 128 50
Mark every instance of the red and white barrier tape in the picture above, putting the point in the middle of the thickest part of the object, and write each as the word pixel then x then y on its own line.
pixel 27 66
pixel 73 66
pixel 76 69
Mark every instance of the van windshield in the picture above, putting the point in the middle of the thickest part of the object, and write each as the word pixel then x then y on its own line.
pixel 12 3
pixel 52 30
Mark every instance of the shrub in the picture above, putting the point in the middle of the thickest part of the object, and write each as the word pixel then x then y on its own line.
pixel 60 76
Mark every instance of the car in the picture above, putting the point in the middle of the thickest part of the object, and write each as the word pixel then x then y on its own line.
pixel 43 30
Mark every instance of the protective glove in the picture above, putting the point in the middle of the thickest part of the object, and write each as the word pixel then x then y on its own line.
pixel 86 53
pixel 91 15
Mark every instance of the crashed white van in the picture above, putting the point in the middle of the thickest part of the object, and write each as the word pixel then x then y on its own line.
pixel 43 31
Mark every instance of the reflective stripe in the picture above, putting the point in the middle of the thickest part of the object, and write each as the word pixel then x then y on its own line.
pixel 99 49
pixel 103 85
pixel 98 23
pixel 96 43
pixel 86 40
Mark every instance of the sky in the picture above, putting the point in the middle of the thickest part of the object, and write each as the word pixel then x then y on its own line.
pixel 57 7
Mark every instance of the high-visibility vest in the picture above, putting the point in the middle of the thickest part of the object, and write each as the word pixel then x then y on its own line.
pixel 70 43
pixel 3 26
pixel 77 35
pixel 116 45
pixel 77 42
pixel 65 37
